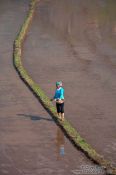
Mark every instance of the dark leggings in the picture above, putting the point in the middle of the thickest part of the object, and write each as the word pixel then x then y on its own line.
pixel 60 107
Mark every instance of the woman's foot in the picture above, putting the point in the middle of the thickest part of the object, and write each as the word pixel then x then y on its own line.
pixel 59 116
pixel 62 117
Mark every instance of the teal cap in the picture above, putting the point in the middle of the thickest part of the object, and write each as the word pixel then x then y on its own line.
pixel 58 83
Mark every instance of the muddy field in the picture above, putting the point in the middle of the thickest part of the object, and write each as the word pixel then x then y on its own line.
pixel 30 141
pixel 75 41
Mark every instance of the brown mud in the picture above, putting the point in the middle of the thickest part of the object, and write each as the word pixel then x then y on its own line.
pixel 75 41
pixel 30 141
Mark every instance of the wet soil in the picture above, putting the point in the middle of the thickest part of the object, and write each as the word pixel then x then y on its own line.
pixel 75 41
pixel 30 141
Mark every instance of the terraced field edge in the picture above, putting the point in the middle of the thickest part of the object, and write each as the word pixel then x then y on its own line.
pixel 68 129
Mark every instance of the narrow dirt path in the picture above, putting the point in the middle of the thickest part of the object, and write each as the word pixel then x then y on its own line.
pixel 54 50
pixel 30 142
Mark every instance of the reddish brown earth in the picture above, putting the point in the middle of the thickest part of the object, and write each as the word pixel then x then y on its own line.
pixel 30 141
pixel 75 41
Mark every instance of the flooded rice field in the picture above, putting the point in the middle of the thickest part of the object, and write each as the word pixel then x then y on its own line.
pixel 30 141
pixel 75 41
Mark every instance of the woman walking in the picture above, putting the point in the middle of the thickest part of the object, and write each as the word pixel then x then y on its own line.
pixel 59 99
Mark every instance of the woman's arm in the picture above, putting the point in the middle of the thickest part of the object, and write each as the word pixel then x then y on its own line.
pixel 62 93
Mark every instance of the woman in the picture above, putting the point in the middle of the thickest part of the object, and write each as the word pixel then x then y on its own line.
pixel 59 98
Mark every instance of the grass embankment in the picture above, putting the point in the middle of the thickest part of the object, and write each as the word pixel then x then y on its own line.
pixel 71 132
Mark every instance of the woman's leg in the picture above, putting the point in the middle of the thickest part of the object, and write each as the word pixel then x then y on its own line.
pixel 58 107
pixel 62 111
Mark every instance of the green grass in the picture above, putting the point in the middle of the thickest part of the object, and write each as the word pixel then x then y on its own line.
pixel 69 130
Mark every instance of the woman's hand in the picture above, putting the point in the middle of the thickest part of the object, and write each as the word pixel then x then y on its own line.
pixel 60 101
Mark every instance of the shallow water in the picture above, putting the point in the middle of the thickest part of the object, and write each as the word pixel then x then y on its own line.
pixel 30 142
pixel 74 41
